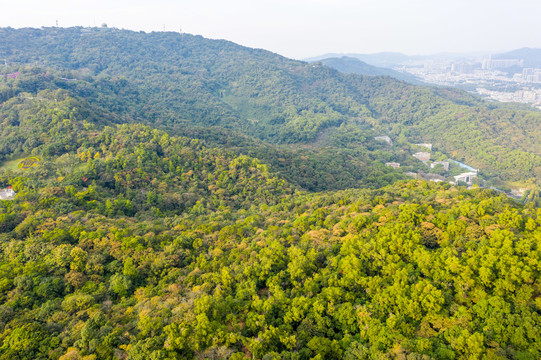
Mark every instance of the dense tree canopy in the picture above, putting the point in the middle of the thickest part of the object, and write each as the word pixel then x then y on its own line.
pixel 174 211
pixel 130 242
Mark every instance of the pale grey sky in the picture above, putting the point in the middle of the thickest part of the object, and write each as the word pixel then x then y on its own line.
pixel 304 28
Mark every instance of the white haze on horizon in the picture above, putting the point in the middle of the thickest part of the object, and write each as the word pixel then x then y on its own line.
pixel 305 28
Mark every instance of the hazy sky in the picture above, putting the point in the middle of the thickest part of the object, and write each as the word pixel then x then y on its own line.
pixel 304 28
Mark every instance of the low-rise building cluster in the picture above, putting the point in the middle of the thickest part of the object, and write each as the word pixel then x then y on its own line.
pixel 7 194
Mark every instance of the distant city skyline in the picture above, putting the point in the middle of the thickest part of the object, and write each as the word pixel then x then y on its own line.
pixel 306 28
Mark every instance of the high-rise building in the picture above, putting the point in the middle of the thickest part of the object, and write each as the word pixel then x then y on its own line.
pixel 462 68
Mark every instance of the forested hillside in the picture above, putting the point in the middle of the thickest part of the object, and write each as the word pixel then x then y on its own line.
pixel 127 242
pixel 183 205
pixel 352 65
pixel 178 81
pixel 26 123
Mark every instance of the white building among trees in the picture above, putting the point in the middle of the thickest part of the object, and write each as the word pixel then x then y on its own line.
pixel 7 194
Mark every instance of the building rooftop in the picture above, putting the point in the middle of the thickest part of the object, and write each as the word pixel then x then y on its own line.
pixel 7 194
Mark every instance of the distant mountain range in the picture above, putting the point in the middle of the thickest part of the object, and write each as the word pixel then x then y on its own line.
pixel 531 56
pixel 384 59
pixel 351 65
pixel 393 59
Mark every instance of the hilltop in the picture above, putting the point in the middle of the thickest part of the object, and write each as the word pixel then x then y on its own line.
pixel 531 56
pixel 353 65
pixel 382 59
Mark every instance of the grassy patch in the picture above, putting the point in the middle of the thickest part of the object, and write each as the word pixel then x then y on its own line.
pixel 11 164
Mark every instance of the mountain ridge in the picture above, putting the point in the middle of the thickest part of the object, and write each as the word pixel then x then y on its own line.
pixel 180 80
pixel 531 56
pixel 353 65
